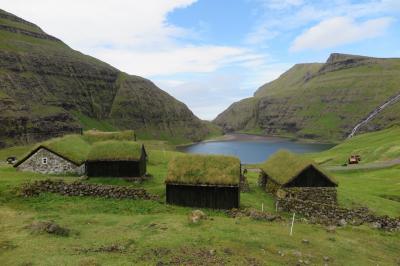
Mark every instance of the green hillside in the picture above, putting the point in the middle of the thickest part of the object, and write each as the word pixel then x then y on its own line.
pixel 320 101
pixel 47 88
pixel 377 146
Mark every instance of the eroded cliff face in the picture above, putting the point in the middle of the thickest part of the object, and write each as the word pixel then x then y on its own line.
pixel 45 87
pixel 320 101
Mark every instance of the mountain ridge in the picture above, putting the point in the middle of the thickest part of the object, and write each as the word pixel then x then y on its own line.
pixel 47 87
pixel 320 101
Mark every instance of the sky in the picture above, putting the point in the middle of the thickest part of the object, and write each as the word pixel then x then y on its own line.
pixel 211 53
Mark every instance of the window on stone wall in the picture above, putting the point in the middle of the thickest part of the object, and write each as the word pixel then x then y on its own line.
pixel 44 160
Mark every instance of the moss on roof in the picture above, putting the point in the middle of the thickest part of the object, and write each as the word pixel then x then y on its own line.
pixel 204 169
pixel 93 136
pixel 112 150
pixel 72 147
pixel 283 166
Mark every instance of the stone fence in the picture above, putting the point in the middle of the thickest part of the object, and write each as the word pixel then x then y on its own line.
pixel 78 188
pixel 325 195
pixel 331 214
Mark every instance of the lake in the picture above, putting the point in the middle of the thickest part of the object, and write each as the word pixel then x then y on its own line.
pixel 252 149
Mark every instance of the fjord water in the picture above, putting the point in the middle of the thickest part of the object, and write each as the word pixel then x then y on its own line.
pixel 253 149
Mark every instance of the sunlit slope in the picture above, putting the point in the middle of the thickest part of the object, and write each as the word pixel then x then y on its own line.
pixel 320 101
pixel 377 146
pixel 47 87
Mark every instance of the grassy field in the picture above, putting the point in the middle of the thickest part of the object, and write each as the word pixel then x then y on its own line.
pixel 149 232
pixel 372 147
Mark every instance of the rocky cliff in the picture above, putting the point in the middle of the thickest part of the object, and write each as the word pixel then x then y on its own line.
pixel 322 101
pixel 46 89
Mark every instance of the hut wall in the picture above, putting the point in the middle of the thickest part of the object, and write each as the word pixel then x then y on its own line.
pixel 214 197
pixel 55 164
pixel 310 177
pixel 116 168
pixel 325 195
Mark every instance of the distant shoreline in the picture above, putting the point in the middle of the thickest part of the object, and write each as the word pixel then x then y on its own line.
pixel 251 137
pixel 254 137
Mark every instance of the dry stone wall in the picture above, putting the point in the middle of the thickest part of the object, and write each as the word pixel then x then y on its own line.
pixel 331 214
pixel 325 195
pixel 83 189
pixel 55 164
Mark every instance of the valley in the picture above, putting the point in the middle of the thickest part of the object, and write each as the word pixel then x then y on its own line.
pixel 102 167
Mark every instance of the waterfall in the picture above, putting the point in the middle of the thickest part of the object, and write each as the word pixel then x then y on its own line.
pixel 374 113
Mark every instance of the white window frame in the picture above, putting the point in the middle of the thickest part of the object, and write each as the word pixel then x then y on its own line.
pixel 45 160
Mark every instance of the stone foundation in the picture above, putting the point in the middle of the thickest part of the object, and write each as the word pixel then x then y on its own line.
pixel 83 189
pixel 325 195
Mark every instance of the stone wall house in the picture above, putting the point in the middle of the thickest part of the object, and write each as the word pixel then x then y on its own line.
pixel 287 176
pixel 46 161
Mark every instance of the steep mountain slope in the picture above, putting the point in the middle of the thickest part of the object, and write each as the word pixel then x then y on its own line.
pixel 46 88
pixel 320 101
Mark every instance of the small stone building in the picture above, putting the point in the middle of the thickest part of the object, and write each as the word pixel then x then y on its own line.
pixel 287 175
pixel 204 181
pixel 116 159
pixel 59 156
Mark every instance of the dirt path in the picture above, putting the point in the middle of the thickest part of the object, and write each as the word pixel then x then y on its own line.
pixel 375 165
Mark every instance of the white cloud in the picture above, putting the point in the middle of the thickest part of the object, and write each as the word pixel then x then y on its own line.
pixel 338 31
pixel 90 23
pixel 210 94
pixel 178 59
pixel 133 36
pixel 280 17
pixel 281 4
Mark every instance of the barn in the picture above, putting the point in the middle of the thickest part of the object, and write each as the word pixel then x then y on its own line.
pixel 64 155
pixel 204 181
pixel 287 175
pixel 116 159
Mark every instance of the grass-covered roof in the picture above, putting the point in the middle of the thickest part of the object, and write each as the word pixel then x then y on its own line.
pixel 93 136
pixel 204 169
pixel 71 147
pixel 284 166
pixel 113 150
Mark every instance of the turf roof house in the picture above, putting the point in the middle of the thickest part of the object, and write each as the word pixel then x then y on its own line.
pixel 116 159
pixel 205 181
pixel 291 176
pixel 65 155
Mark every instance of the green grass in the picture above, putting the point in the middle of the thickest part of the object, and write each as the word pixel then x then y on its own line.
pixel 89 123
pixel 93 136
pixel 115 150
pixel 372 147
pixel 204 169
pixel 153 232
pixel 371 188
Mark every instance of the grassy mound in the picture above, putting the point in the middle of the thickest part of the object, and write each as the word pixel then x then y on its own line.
pixel 115 150
pixel 92 136
pixel 284 165
pixel 204 169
